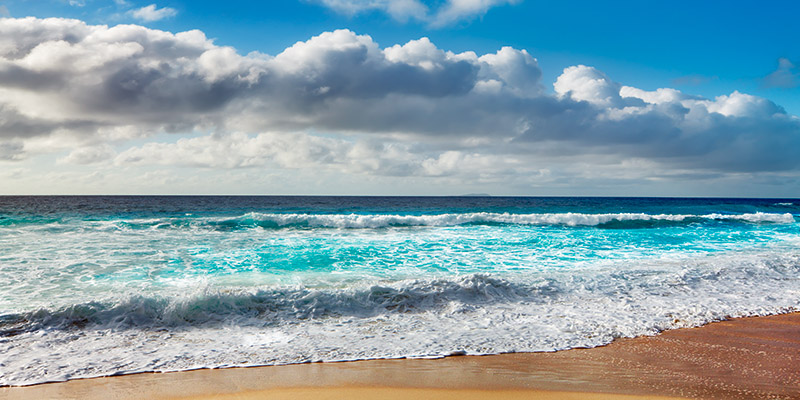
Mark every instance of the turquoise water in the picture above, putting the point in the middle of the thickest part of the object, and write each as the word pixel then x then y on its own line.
pixel 106 285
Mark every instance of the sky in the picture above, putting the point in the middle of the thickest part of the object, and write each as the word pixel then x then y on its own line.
pixel 400 97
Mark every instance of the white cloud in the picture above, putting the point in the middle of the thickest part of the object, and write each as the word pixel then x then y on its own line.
pixel 437 14
pixel 582 83
pixel 152 13
pixel 457 10
pixel 410 109
pixel 89 155
pixel 238 150
pixel 743 105
pixel 303 151
pixel 658 96
pixel 401 10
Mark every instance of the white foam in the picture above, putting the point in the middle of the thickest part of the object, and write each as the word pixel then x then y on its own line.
pixel 474 314
pixel 452 219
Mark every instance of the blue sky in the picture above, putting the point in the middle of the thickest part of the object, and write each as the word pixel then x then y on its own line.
pixel 701 49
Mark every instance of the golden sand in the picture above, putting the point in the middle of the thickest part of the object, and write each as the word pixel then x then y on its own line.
pixel 416 394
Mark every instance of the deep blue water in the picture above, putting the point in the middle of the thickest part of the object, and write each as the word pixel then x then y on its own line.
pixel 147 206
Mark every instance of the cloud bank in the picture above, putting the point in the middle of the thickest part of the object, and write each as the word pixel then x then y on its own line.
pixel 339 101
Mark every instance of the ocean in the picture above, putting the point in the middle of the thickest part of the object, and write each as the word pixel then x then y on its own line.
pixel 96 286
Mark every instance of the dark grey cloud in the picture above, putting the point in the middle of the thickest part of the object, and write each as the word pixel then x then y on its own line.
pixel 14 125
pixel 14 76
pixel 11 151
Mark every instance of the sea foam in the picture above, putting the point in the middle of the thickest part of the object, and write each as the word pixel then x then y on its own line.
pixel 375 221
pixel 471 314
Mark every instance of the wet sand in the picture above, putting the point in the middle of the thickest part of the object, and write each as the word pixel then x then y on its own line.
pixel 747 358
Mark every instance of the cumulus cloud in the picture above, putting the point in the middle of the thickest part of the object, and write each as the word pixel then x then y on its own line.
pixel 582 83
pixel 786 76
pixel 407 109
pixel 152 13
pixel 734 133
pixel 437 14
pixel 66 74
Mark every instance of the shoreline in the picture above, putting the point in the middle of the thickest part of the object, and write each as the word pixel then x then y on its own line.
pixel 751 357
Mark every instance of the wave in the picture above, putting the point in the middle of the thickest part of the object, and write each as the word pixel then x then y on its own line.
pixel 278 305
pixel 376 221
pixel 472 314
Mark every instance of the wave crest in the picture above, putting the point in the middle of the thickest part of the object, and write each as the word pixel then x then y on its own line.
pixel 376 221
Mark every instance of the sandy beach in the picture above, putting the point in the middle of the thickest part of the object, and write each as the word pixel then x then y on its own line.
pixel 744 358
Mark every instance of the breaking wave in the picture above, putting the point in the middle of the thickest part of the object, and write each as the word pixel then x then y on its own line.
pixel 376 221
pixel 279 305
pixel 470 314
pixel 273 306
